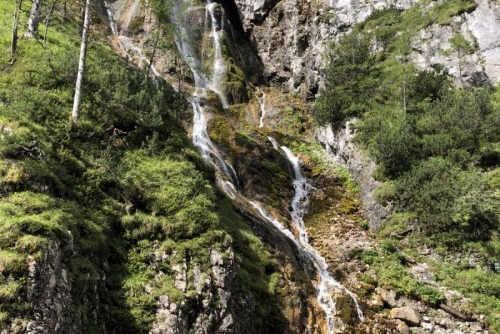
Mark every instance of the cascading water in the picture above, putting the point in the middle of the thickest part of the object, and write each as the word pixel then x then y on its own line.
pixel 262 103
pixel 134 53
pixel 299 206
pixel 200 136
pixel 209 151
pixel 202 141
pixel 219 66
pixel 112 22
pixel 130 14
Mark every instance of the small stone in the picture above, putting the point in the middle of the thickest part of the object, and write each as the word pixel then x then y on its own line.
pixel 406 314
pixel 377 302
pixel 402 327
pixel 442 322
pixel 389 297
pixel 427 325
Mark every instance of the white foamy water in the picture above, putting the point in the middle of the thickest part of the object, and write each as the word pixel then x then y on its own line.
pixel 112 22
pixel 188 52
pixel 202 141
pixel 262 103
pixel 300 203
pixel 219 66
pixel 134 53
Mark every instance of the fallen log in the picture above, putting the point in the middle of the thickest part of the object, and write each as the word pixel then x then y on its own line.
pixel 455 312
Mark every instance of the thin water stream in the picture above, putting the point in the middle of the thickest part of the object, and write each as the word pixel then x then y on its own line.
pixel 262 103
pixel 133 52
pixel 299 206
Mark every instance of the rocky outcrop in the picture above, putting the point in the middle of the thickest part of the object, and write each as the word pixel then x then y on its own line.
pixel 290 36
pixel 484 25
pixel 481 29
pixel 432 46
pixel 405 314
pixel 213 309
pixel 49 295
pixel 340 148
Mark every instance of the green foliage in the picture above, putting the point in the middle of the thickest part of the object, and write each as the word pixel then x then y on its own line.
pixel 393 274
pixel 437 148
pixel 347 65
pixel 70 185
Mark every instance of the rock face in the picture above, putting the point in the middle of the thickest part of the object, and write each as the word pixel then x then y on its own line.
pixel 289 36
pixel 49 295
pixel 484 25
pixel 340 148
pixel 214 310
pixel 481 29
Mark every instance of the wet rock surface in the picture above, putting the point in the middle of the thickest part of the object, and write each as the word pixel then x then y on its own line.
pixel 333 224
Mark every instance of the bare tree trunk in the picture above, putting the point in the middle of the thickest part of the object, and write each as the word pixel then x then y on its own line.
pixel 81 64
pixel 47 19
pixel 34 18
pixel 13 44
pixel 64 11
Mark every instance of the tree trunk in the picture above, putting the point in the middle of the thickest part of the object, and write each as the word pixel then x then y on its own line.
pixel 34 18
pixel 64 11
pixel 81 64
pixel 47 20
pixel 13 44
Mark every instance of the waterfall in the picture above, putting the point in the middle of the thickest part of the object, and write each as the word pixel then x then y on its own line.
pixel 184 43
pixel 219 65
pixel 202 141
pixel 299 206
pixel 230 184
pixel 130 15
pixel 134 53
pixel 112 22
pixel 262 103
pixel 200 135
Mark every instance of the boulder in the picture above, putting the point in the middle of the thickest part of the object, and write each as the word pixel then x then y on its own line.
pixel 389 297
pixel 406 314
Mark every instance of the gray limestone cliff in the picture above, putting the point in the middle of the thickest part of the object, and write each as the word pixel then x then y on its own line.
pixel 290 37
pixel 48 296
pixel 215 307
pixel 340 148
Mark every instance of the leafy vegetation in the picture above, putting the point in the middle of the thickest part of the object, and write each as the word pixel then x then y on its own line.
pixel 122 194
pixel 436 147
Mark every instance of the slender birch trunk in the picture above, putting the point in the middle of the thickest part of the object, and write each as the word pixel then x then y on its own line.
pixel 34 18
pixel 81 64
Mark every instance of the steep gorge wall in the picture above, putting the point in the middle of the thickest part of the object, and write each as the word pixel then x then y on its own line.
pixel 290 36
